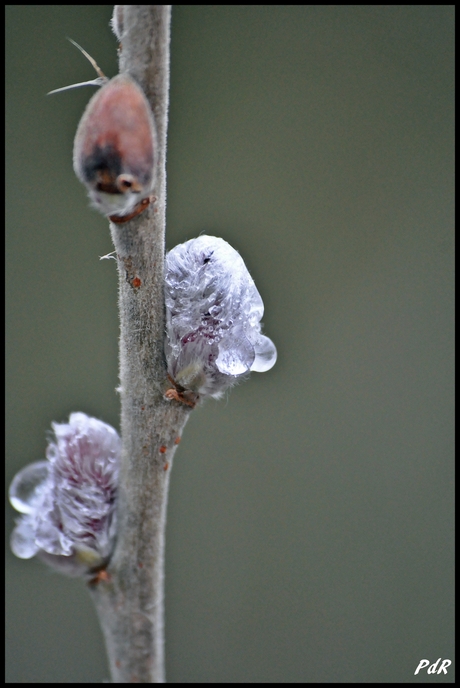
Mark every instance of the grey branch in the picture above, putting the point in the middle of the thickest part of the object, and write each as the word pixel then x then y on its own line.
pixel 129 596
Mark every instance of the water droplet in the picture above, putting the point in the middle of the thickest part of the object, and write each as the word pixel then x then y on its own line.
pixel 23 489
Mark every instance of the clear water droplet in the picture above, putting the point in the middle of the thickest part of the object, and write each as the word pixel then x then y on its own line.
pixel 23 489
pixel 22 541
pixel 266 355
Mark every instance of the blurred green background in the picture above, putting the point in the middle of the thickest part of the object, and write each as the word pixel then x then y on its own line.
pixel 311 513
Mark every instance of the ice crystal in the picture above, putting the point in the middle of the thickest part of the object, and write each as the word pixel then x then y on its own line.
pixel 68 501
pixel 213 313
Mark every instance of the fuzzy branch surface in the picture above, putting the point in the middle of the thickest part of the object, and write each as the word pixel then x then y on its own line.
pixel 129 597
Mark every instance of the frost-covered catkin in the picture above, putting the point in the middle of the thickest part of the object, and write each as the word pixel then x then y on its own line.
pixel 68 501
pixel 213 313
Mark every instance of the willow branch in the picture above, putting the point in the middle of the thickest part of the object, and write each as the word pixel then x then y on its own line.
pixel 129 597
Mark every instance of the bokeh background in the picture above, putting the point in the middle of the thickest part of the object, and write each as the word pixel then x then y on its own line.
pixel 311 513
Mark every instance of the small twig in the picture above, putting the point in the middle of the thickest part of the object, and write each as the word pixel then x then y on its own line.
pixel 129 596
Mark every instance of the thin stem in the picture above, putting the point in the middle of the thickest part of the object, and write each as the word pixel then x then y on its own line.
pixel 129 597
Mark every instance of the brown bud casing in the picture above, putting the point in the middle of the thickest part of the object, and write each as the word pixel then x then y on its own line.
pixel 115 149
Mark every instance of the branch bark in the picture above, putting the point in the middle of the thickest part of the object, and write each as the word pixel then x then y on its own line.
pixel 129 597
